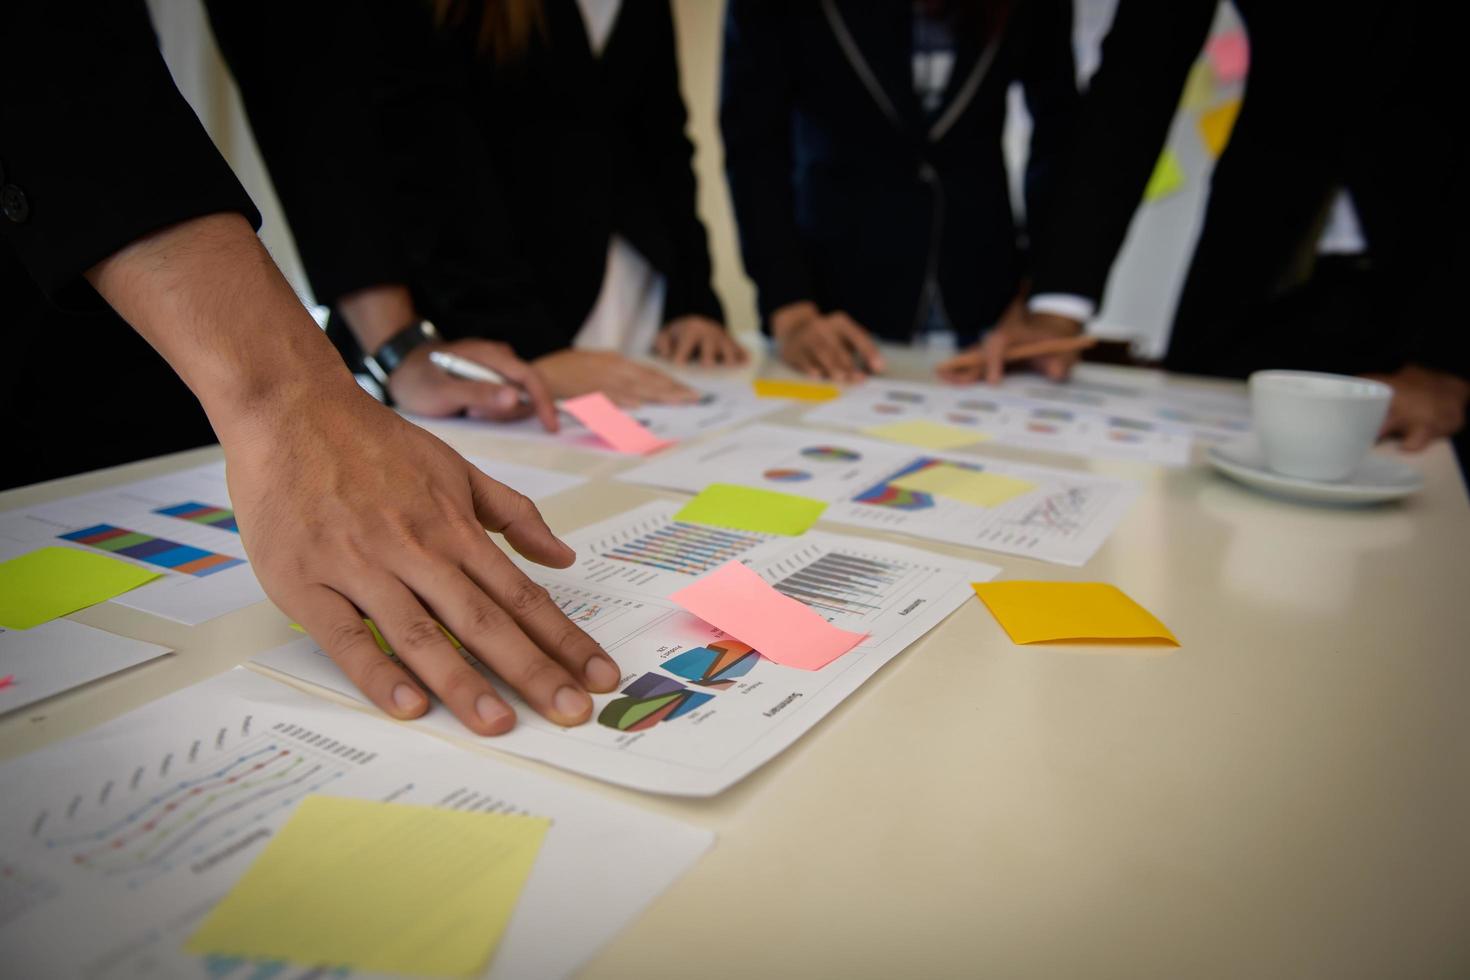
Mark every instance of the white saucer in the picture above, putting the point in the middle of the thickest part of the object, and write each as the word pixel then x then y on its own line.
pixel 1375 480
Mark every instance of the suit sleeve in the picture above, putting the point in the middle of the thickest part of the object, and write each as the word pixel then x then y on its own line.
pixel 1049 81
pixel 299 67
pixel 97 146
pixel 671 156
pixel 1126 114
pixel 755 120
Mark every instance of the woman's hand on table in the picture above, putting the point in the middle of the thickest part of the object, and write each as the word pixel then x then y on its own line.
pixel 830 346
pixel 627 382
pixel 1018 327
pixel 696 338
pixel 421 387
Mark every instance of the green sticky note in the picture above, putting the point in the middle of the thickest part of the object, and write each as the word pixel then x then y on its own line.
pixel 378 887
pixel 1168 177
pixel 749 509
pixel 41 585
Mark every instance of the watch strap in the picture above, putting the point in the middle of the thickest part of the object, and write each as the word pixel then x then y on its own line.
pixel 391 352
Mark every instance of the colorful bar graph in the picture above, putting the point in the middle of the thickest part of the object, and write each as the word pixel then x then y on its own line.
pixel 220 518
pixel 688 548
pixel 155 551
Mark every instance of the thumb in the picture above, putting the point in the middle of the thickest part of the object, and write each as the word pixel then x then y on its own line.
pixel 501 509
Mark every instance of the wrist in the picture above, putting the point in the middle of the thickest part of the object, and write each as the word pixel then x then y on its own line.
pixel 376 313
pixel 791 317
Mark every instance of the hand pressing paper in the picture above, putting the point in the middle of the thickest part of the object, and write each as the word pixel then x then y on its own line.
pixel 736 600
pixel 615 427
pixel 1070 612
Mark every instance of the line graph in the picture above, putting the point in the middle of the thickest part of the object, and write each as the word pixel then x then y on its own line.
pixel 166 816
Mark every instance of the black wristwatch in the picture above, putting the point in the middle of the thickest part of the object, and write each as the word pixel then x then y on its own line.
pixel 385 360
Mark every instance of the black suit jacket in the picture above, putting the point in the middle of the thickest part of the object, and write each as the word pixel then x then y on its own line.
pixel 97 149
pixel 846 198
pixel 403 155
pixel 1340 95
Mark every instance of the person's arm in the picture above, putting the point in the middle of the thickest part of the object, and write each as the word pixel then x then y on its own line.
pixel 305 76
pixel 755 121
pixel 694 322
pixel 1126 113
pixel 1048 76
pixel 344 509
pixel 1124 121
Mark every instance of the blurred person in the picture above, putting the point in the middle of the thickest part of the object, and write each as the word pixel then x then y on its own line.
pixel 863 148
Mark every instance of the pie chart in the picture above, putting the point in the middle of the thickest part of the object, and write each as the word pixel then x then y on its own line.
pixel 834 454
pixel 786 475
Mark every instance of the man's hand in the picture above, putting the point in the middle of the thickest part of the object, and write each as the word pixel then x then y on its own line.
pixel 831 346
pixel 1017 327
pixel 573 372
pixel 1427 404
pixel 420 387
pixel 695 337
pixel 345 509
pixel 348 511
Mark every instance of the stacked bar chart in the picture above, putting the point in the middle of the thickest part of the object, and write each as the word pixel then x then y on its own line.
pixel 691 549
pixel 221 518
pixel 843 583
pixel 161 552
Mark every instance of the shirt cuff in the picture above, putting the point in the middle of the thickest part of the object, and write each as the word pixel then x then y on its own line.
pixel 1078 308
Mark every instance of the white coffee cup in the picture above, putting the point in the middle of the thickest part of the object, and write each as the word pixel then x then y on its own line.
pixel 1316 426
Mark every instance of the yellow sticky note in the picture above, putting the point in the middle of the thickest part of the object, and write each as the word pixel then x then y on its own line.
pixel 751 509
pixel 979 487
pixel 378 887
pixel 1199 89
pixel 929 435
pixel 1167 178
pixel 1215 126
pixel 41 585
pixel 805 391
pixel 1041 612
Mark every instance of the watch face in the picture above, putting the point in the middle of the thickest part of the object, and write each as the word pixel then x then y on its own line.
pixel 397 347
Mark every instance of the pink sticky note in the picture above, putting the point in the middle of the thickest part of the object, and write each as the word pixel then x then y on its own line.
pixel 6 681
pixel 1230 56
pixel 737 600
pixel 616 427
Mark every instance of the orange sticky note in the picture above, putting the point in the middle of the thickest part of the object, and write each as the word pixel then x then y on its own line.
pixel 1230 56
pixel 616 427
pixel 736 600
pixel 1070 612
pixel 804 391
pixel 1215 126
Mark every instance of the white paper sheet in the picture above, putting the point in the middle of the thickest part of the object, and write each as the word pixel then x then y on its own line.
pixel 1209 416
pixel 724 403
pixel 1010 417
pixel 716 729
pixel 105 874
pixel 167 544
pixel 533 481
pixel 60 655
pixel 1064 519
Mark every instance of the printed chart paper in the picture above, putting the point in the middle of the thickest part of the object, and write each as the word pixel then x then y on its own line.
pixel 721 405
pixel 179 525
pixel 115 845
pixel 60 655
pixel 1012 415
pixel 697 711
pixel 533 481
pixel 1062 517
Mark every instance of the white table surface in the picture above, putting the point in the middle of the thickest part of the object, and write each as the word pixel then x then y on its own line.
pixel 1287 795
